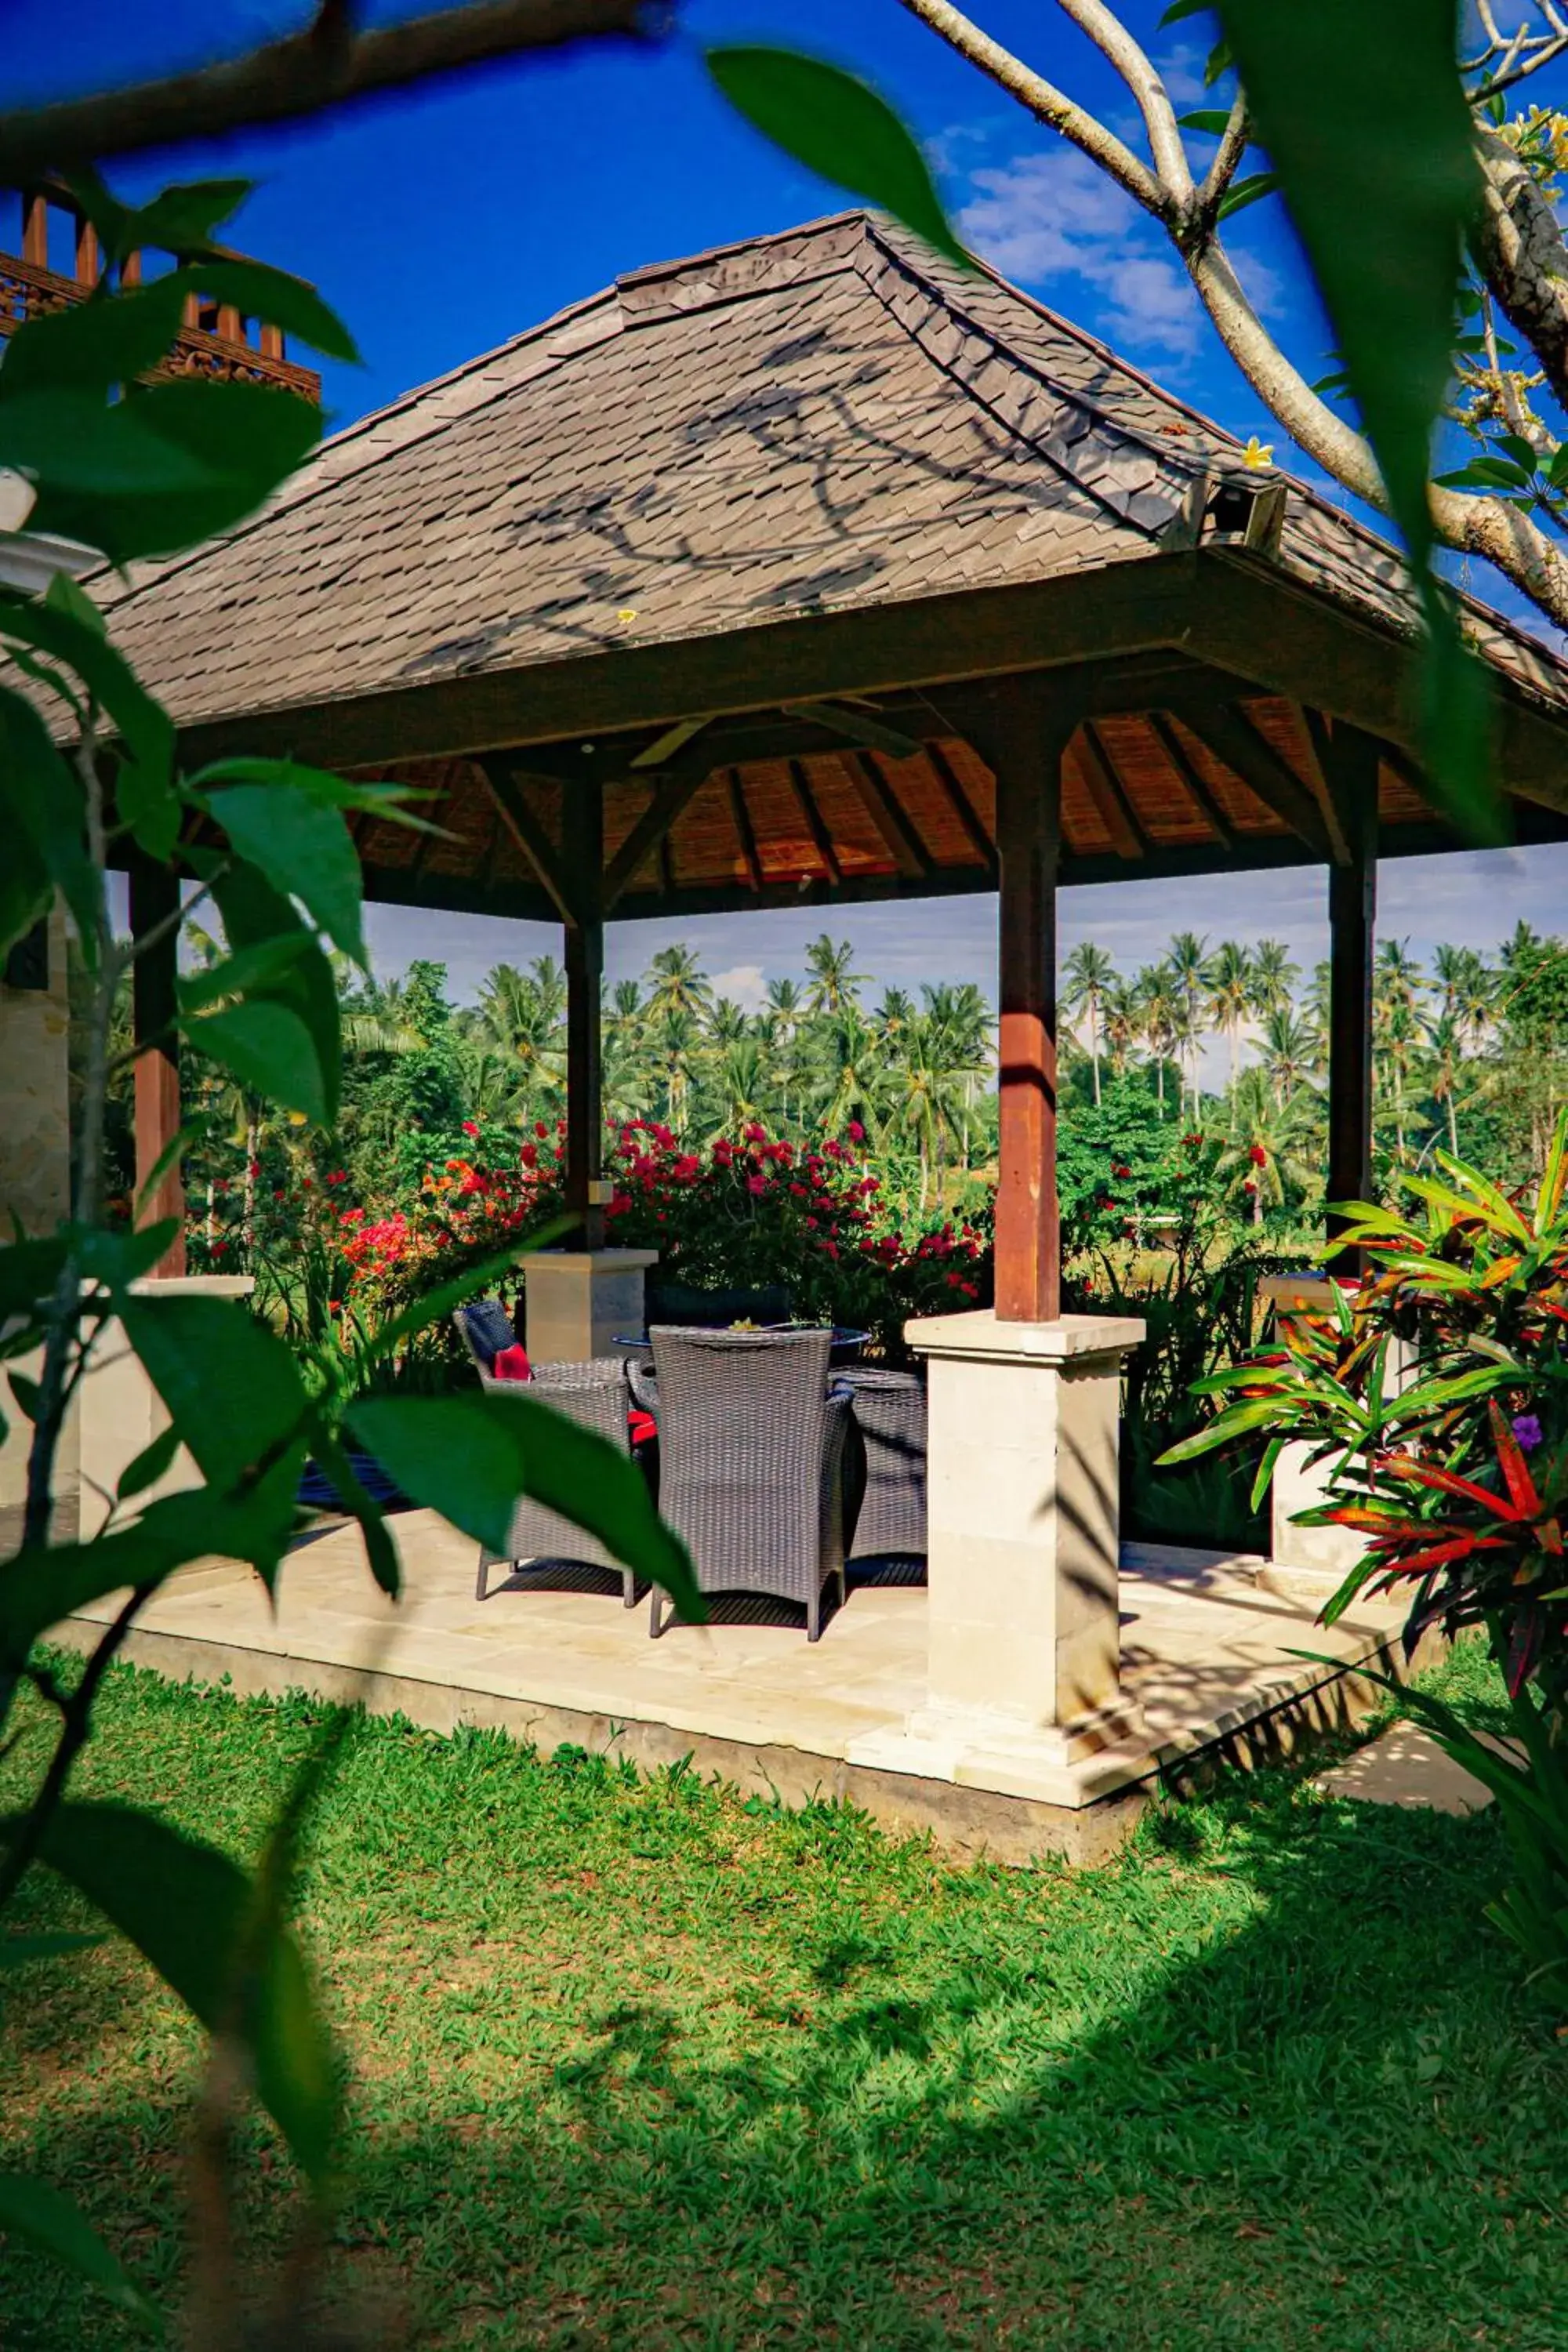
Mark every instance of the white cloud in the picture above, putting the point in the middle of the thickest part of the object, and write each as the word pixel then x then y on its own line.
pixel 745 984
pixel 1057 215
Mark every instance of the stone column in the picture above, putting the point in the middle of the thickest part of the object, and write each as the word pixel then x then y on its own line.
pixel 120 1411
pixel 1023 1665
pixel 580 1301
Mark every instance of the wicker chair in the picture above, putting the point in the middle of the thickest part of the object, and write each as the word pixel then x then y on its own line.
pixel 594 1394
pixel 890 1415
pixel 485 1328
pixel 752 1461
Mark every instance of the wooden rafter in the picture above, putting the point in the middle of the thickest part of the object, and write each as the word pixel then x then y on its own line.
pixel 1320 772
pixel 670 796
pixel 529 835
pixel 805 800
pixel 1232 737
pixel 963 807
pixel 746 832
pixel 1176 752
pixel 904 845
pixel 1116 811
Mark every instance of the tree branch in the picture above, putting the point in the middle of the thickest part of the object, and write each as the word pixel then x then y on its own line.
pixel 1113 40
pixel 327 65
pixel 1235 140
pixel 1041 98
pixel 1518 247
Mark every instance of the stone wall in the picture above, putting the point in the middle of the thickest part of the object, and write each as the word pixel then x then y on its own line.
pixel 35 1115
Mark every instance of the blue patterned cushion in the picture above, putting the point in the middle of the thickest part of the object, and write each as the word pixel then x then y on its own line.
pixel 488 1326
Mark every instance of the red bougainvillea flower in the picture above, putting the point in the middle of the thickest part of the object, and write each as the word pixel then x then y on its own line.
pixel 469 1127
pixel 1257 1154
pixel 339 1176
pixel 856 1131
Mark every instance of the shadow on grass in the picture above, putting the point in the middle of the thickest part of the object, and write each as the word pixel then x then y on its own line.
pixel 1267 2082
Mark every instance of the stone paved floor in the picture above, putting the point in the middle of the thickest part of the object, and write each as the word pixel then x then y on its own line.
pixel 1206 1648
pixel 1404 1766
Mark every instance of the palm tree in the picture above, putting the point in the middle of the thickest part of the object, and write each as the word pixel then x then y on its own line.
pixel 522 1020
pixel 1291 1052
pixel 1122 1016
pixel 726 1022
pixel 1158 1016
pixel 924 1096
pixel 853 1073
pixel 673 1041
pixel 676 984
pixel 1274 978
pixel 834 986
pixel 1266 1159
pixel 894 1014
pixel 739 1081
pixel 962 1019
pixel 785 1002
pixel 1088 973
pixel 1188 958
pixel 1230 997
pixel 1448 1069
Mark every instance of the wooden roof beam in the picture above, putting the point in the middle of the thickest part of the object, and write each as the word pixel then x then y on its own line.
pixel 671 794
pixel 1323 773
pixel 904 845
pixel 1116 811
pixel 1175 751
pixel 746 832
pixel 530 836
pixel 963 809
pixel 1232 737
pixel 805 800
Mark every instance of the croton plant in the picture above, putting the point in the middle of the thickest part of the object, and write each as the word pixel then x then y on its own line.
pixel 1450 1454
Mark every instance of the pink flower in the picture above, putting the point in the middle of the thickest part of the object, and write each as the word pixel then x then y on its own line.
pixel 857 1132
pixel 756 1183
pixel 469 1127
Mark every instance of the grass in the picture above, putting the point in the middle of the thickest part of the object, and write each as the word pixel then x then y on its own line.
pixel 636 2063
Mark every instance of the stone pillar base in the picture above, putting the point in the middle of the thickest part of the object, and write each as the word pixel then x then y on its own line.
pixel 1024 1549
pixel 580 1301
pixel 122 1411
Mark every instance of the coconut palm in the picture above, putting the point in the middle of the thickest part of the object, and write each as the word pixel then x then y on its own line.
pixel 727 1023
pixel 834 985
pixel 1188 958
pixel 1087 974
pixel 1291 1052
pixel 1274 978
pixel 1269 1157
pixel 1229 983
pixel 852 1077
pixel 1158 1015
pixel 676 984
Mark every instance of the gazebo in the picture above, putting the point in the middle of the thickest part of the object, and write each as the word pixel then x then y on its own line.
pixel 814 571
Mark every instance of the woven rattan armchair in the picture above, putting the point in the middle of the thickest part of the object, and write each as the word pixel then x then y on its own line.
pixel 594 1394
pixel 752 1461
pixel 485 1328
pixel 890 1415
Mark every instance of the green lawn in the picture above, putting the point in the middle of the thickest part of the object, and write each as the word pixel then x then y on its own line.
pixel 636 2064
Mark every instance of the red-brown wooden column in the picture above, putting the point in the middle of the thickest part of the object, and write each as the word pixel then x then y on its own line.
pixel 155 900
pixel 1028 734
pixel 1353 766
pixel 583 855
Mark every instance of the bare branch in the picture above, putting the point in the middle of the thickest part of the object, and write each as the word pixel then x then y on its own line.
pixel 1042 99
pixel 1518 243
pixel 1235 140
pixel 327 65
pixel 1113 40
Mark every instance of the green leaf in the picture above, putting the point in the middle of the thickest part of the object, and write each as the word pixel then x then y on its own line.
pixel 1525 454
pixel 43 811
pixel 1242 193
pixel 259 291
pixel 1378 169
pixel 379 1548
pixel 45 1583
pixel 254 915
pixel 150 806
pixel 30 2209
pixel 1211 119
pixel 469 1457
pixel 148 1467
pixel 269 1049
pixel 1179 9
pixel 237 975
pixel 27 1392
pixel 377 796
pixel 196 458
pixel 146 727
pixel 194 1915
pixel 179 219
pixel 305 851
pixel 28 1272
pixel 231 1386
pixel 94 345
pixel 838 126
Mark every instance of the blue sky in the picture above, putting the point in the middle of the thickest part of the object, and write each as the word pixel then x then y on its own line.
pixel 440 223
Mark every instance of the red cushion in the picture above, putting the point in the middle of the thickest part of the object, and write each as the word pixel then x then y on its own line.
pixel 642 1426
pixel 512 1364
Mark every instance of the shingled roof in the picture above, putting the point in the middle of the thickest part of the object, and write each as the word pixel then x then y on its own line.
pixel 823 421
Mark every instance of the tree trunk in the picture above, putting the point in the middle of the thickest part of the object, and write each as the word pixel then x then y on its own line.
pixel 1094 1044
pixel 252 1155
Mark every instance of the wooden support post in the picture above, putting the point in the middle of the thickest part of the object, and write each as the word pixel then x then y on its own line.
pixel 1023 744
pixel 35 228
pixel 1351 774
pixel 583 858
pixel 155 898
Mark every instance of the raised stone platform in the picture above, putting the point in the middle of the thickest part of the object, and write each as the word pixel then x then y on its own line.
pixel 1206 1649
